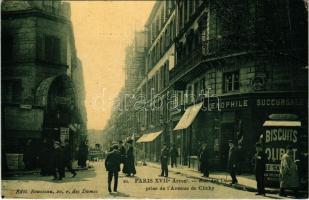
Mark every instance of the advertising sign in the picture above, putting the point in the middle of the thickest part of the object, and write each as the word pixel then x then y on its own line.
pixel 276 138
pixel 64 134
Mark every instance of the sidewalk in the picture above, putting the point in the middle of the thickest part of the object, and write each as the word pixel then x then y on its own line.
pixel 37 171
pixel 245 182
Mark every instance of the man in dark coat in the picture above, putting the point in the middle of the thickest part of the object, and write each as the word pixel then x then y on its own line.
pixel 231 164
pixel 260 165
pixel 68 158
pixel 164 161
pixel 174 155
pixel 204 161
pixel 129 165
pixel 112 165
pixel 57 156
pixel 83 154
pixel 45 160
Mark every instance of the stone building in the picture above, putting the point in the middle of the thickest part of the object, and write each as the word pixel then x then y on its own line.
pixel 42 85
pixel 223 70
pixel 153 117
pixel 237 62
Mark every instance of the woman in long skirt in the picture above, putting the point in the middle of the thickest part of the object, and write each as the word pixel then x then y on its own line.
pixel 129 165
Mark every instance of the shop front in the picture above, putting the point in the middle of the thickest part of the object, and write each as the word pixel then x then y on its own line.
pixel 239 118
pixel 151 146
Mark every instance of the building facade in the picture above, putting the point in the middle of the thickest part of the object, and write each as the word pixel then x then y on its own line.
pixel 42 84
pixel 243 61
pixel 216 71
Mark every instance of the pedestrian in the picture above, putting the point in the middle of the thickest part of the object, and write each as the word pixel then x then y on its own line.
pixel 260 165
pixel 68 158
pixel 174 155
pixel 129 165
pixel 112 165
pixel 29 155
pixel 122 150
pixel 58 167
pixel 164 161
pixel 288 173
pixel 44 158
pixel 231 164
pixel 203 157
pixel 83 154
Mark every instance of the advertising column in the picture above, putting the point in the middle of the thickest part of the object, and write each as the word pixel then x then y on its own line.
pixel 277 136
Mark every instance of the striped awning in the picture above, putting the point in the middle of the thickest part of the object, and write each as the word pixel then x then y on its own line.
pixel 189 116
pixel 149 137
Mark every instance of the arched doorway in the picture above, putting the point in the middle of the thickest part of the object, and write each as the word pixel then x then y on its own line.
pixel 56 94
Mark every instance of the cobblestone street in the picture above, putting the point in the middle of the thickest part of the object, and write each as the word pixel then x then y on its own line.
pixel 93 184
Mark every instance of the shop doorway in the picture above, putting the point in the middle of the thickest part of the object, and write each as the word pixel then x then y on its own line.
pixel 227 133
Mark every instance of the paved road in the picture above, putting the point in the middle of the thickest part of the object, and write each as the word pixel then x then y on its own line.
pixel 93 184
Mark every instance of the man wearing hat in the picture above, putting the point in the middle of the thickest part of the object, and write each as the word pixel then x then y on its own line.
pixel 260 165
pixel 58 166
pixel 112 165
pixel 164 161
pixel 231 164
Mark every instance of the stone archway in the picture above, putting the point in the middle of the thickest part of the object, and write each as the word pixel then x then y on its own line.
pixel 56 94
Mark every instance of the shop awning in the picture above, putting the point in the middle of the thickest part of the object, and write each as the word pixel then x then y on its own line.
pixel 149 137
pixel 189 116
pixel 282 123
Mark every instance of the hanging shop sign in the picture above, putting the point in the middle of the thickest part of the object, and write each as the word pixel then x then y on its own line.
pixel 64 134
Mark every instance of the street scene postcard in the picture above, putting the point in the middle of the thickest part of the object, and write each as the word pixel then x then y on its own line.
pixel 166 99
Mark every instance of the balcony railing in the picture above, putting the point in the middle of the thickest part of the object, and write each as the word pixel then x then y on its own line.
pixel 186 63
pixel 211 49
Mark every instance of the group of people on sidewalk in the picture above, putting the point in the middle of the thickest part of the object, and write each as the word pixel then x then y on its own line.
pixel 53 158
pixel 289 178
pixel 288 169
pixel 118 154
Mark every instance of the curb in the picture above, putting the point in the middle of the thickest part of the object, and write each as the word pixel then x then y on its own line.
pixel 220 182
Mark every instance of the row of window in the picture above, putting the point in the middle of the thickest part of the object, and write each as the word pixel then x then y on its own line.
pixel 163 43
pixel 201 88
pixel 196 40
pixel 195 91
pixel 187 9
pixel 159 20
pixel 159 81
pixel 49 49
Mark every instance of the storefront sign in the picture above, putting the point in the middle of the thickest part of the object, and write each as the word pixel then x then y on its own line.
pixel 276 139
pixel 226 104
pixel 282 102
pixel 260 101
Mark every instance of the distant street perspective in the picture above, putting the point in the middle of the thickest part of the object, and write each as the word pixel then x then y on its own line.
pixel 154 99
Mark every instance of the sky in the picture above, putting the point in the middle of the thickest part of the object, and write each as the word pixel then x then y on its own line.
pixel 102 30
